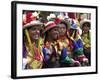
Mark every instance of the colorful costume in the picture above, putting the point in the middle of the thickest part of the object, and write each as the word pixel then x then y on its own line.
pixel 86 36
pixel 77 44
pixel 65 58
pixel 86 39
pixel 32 50
pixel 34 56
pixel 64 47
pixel 51 57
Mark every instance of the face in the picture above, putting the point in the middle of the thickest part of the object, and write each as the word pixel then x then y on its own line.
pixel 73 32
pixel 81 16
pixel 34 32
pixel 62 29
pixel 85 28
pixel 53 33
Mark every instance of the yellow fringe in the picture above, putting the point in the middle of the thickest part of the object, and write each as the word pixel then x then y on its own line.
pixel 29 41
pixel 73 34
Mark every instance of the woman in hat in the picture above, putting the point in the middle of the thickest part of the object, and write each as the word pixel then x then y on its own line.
pixel 33 44
pixel 85 25
pixel 51 57
pixel 77 45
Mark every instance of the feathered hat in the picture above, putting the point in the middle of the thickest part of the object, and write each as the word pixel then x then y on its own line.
pixel 30 19
pixel 51 17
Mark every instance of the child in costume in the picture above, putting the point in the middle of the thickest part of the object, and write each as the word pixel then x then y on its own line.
pixel 32 42
pixel 77 45
pixel 85 25
pixel 51 57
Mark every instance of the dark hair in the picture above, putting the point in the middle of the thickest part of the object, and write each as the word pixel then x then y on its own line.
pixel 65 23
pixel 87 24
pixel 46 35
pixel 71 32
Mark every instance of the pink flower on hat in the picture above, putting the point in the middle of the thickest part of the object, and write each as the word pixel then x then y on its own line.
pixel 30 19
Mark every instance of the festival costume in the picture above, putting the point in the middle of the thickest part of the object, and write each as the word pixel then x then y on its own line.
pixel 86 40
pixel 65 51
pixel 34 56
pixel 66 59
pixel 86 36
pixel 51 57
pixel 77 44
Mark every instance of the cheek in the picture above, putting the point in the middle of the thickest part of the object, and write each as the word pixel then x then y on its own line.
pixel 38 32
pixel 63 30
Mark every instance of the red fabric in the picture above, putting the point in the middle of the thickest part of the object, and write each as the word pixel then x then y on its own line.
pixel 28 17
pixel 49 26
pixel 37 54
pixel 71 15
pixel 81 58
pixel 57 20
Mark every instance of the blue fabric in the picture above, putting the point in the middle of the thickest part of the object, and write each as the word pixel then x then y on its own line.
pixel 46 57
pixel 65 59
pixel 44 51
pixel 74 26
pixel 24 51
pixel 63 53
pixel 77 44
pixel 80 44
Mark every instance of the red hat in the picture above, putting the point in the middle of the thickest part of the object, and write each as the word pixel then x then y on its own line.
pixel 30 20
pixel 49 25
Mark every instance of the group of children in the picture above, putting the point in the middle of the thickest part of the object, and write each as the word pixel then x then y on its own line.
pixel 56 43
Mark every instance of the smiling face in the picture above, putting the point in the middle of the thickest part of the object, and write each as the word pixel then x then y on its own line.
pixel 86 27
pixel 34 32
pixel 62 29
pixel 53 33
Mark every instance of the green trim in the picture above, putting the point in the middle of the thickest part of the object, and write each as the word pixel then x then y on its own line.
pixel 79 51
pixel 68 60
